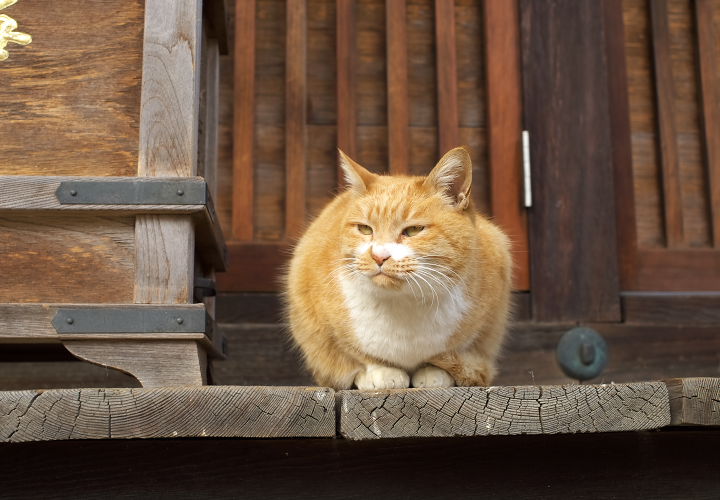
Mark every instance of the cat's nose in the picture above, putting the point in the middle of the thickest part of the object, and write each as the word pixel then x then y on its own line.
pixel 379 260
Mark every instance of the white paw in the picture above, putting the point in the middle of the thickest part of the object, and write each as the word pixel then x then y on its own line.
pixel 381 377
pixel 432 376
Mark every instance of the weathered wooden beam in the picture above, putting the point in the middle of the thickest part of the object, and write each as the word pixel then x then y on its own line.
pixel 197 412
pixel 506 410
pixel 346 108
pixel 446 57
pixel 694 401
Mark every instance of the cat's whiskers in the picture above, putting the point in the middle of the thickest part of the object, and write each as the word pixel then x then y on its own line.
pixel 427 273
pixel 436 298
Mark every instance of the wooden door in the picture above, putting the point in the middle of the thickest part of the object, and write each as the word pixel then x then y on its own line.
pixel 668 121
pixel 394 84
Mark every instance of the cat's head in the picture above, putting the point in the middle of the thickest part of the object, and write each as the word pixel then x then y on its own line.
pixel 411 234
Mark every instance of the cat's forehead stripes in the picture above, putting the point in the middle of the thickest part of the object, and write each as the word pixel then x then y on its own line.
pixel 394 202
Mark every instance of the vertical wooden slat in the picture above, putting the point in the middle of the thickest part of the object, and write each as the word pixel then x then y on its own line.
pixel 566 110
pixel 665 95
pixel 397 75
pixel 446 56
pixel 707 41
pixel 169 107
pixel 244 121
pixel 345 53
pixel 295 97
pixel 212 113
pixel 502 53
pixel 621 141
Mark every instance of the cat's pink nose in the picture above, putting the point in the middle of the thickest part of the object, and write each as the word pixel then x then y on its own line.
pixel 379 259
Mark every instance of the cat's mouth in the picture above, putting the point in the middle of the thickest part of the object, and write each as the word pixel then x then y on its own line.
pixel 385 280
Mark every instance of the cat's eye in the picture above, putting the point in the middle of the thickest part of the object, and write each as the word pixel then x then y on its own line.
pixel 366 230
pixel 412 230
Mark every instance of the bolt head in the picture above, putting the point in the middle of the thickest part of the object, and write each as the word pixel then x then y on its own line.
pixel 180 321
pixel 69 321
pixel 73 192
pixel 180 192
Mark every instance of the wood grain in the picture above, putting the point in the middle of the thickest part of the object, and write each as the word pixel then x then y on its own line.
pixel 504 109
pixel 694 401
pixel 200 412
pixel 154 363
pixel 677 271
pixel 256 267
pixel 446 56
pixel 244 121
pixel 346 82
pixel 295 117
pixel 71 99
pixel 708 56
pixel 398 112
pixel 164 259
pixel 40 374
pixel 170 89
pixel 665 94
pixel 567 115
pixel 476 411
pixel 59 259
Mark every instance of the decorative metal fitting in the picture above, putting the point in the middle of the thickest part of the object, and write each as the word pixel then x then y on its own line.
pixel 8 25
pixel 582 353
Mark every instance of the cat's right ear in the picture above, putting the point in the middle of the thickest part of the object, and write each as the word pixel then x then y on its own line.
pixel 357 177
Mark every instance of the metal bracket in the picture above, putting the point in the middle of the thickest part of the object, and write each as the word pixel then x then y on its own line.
pixel 133 191
pixel 132 319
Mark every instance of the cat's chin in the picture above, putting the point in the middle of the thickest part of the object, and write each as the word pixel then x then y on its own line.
pixel 387 282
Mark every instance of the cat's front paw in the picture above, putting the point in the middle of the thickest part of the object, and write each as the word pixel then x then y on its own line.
pixel 381 377
pixel 432 376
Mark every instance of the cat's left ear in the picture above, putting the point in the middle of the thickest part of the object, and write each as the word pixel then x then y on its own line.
pixel 452 177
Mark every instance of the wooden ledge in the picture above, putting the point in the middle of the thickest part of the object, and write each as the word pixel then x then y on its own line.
pixel 301 412
pixel 480 411
pixel 694 401
pixel 246 412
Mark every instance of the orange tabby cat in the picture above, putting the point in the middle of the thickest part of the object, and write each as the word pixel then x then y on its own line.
pixel 400 282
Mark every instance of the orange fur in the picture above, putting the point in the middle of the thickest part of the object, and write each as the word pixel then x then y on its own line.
pixel 461 257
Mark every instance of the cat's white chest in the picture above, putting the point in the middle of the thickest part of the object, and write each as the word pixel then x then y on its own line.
pixel 400 328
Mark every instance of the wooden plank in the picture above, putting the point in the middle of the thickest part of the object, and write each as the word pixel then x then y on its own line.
pixel 346 102
pixel 504 114
pixel 680 270
pixel 37 193
pixel 56 259
pixel 171 89
pixel 708 55
pixel 446 57
pixel 34 372
pixel 295 119
pixel 665 96
pixel 397 76
pixel 671 308
pixel 694 401
pixel 197 412
pixel 244 121
pixel 620 131
pixel 502 411
pixel 566 107
pixel 673 464
pixel 210 115
pixel 164 259
pixel 82 91
pixel 33 322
